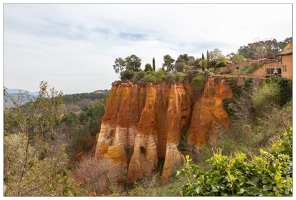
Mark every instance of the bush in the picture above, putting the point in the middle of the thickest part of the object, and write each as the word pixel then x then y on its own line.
pixel 249 69
pixel 169 78
pixel 127 75
pixel 160 74
pixel 238 59
pixel 225 71
pixel 149 79
pixel 198 84
pixel 138 76
pixel 220 64
pixel 285 88
pixel 154 77
pixel 99 176
pixel 273 92
pixel 267 97
pixel 269 174
pixel 178 76
pixel 190 74
pixel 197 81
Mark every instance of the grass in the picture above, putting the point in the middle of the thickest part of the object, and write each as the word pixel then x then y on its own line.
pixel 248 69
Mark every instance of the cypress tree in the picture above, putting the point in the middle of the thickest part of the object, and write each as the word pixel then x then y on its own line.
pixel 208 59
pixel 153 64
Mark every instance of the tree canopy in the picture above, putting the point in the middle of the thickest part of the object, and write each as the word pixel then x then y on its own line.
pixel 148 67
pixel 168 62
pixel 268 48
pixel 133 63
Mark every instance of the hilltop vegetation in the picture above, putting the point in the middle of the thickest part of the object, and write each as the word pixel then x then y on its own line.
pixel 246 60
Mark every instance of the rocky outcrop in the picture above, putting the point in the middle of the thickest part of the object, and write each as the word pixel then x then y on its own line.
pixel 209 114
pixel 143 124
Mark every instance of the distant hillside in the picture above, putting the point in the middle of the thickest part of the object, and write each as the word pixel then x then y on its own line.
pixel 73 102
pixel 14 93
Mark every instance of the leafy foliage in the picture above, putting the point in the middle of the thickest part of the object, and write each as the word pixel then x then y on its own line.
pixel 273 92
pixel 119 65
pixel 127 75
pixel 269 174
pixel 178 76
pixel 271 48
pixel 148 67
pixel 83 127
pixel 138 76
pixel 73 98
pixel 34 160
pixel 154 77
pixel 133 62
pixel 168 63
pixel 249 69
pixel 238 58
pixel 198 84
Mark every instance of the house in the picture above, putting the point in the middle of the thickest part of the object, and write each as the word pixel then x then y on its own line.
pixel 281 67
pixel 287 61
pixel 99 91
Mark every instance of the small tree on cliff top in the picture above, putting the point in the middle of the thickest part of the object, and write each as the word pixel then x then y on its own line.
pixel 133 63
pixel 148 67
pixel 119 65
pixel 168 63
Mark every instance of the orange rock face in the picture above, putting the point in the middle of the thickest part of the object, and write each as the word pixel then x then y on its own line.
pixel 208 113
pixel 144 123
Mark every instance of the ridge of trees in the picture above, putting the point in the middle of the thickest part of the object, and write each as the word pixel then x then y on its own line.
pixel 259 49
pixel 214 59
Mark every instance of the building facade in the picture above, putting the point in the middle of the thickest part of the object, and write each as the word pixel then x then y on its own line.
pixel 283 67
pixel 287 61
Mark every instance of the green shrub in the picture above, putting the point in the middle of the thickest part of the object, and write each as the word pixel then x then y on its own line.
pixel 138 76
pixel 149 79
pixel 169 78
pixel 154 77
pixel 212 91
pixel 249 69
pixel 198 84
pixel 269 174
pixel 238 59
pixel 159 74
pixel 190 74
pixel 285 88
pixel 178 76
pixel 220 64
pixel 126 75
pixel 273 92
pixel 268 96
pixel 225 71
pixel 199 80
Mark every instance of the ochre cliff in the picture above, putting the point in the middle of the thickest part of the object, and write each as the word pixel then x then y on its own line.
pixel 143 124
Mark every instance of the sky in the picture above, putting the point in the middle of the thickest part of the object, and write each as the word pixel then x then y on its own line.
pixel 73 46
